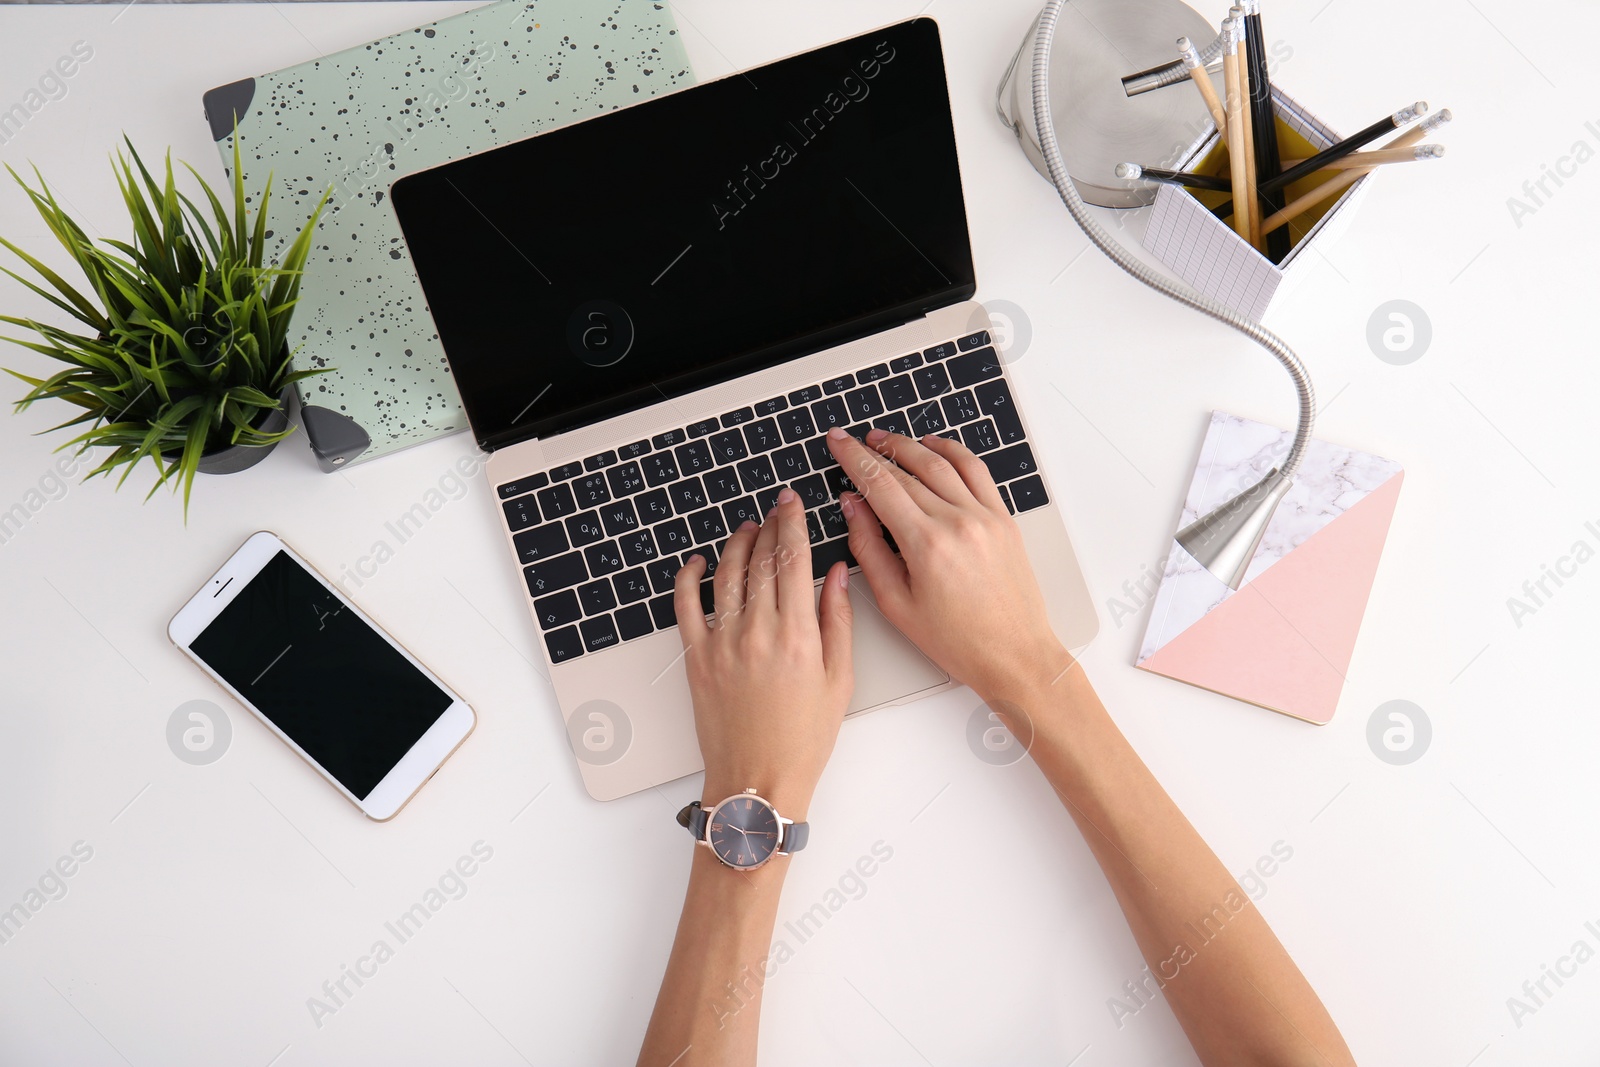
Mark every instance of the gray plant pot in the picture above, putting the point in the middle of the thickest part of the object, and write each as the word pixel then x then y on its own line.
pixel 236 458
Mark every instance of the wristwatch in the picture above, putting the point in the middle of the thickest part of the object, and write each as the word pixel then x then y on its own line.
pixel 744 831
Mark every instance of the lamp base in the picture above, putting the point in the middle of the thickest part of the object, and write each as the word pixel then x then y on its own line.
pixel 1098 43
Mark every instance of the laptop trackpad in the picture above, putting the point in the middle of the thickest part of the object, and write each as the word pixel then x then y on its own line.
pixel 888 667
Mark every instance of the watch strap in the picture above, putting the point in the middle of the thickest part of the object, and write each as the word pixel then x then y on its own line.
pixel 795 836
pixel 693 817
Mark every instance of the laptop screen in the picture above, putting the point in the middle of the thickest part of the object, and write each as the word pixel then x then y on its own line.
pixel 686 240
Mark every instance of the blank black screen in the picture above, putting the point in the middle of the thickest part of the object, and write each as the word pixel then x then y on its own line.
pixel 707 233
pixel 321 674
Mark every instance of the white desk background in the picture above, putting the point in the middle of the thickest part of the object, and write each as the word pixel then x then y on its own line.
pixel 1418 898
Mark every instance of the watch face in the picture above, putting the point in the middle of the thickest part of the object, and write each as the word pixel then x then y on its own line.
pixel 743 831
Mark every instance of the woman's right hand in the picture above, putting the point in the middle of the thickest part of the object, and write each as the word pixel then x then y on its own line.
pixel 962 589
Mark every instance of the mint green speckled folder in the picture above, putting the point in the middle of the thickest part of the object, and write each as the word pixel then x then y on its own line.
pixel 356 121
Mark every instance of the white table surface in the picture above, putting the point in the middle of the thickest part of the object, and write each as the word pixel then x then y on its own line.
pixel 1418 898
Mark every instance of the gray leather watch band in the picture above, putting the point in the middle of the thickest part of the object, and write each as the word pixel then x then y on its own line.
pixel 694 818
pixel 795 836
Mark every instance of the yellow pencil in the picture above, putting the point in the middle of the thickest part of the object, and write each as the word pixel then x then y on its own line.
pixel 1202 80
pixel 1363 160
pixel 1236 147
pixel 1329 189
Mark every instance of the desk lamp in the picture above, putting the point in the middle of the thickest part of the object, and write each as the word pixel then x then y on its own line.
pixel 1112 116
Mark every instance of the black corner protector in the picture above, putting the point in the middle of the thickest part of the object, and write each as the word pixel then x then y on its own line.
pixel 336 439
pixel 225 102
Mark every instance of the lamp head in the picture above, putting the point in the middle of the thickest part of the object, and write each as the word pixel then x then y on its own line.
pixel 1224 541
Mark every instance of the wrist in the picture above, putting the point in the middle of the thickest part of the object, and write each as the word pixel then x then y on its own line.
pixel 1026 677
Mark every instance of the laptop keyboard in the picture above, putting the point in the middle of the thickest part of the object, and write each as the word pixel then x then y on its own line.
pixel 601 541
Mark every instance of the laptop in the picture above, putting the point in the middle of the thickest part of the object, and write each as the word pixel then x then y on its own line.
pixel 655 316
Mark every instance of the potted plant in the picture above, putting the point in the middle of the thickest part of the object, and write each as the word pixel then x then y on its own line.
pixel 181 355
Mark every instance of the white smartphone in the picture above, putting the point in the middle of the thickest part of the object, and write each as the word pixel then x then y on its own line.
pixel 357 706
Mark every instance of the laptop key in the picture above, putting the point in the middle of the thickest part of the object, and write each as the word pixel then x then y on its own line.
pixel 522 513
pixel 632 586
pixel 931 381
pixel 898 392
pixel 637 547
pixel 771 407
pixel 859 431
pixel 790 463
pixel 728 447
pixel 960 407
pixel 950 435
pixel 598 633
pixel 556 502
pixel 619 517
pixel 566 472
pixel 756 473
pixel 944 351
pixel 905 363
pixel 974 340
pixel 664 612
pixel 524 486
pixel 833 522
pixel 839 484
pixel 597 597
pixel 659 468
pixel 712 554
pixel 708 601
pixel 974 367
pixel 818 453
pixel 767 499
pixel 894 422
pixel 603 558
pixel 653 507
pixel 872 374
pixel 703 427
pixel 1029 493
pixel 564 644
pixel 864 403
pixel 673 537
pixel 1005 496
pixel 762 436
pixel 722 484
pixel 1012 463
pixel 541 542
pixel 796 425
pixel 825 555
pixel 693 458
pixel 626 479
pixel 634 621
pixel 813 528
pixel 741 511
pixel 813 491
pixel 687 495
pixel 663 573
pixel 557 609
pixel 549 575
pixel 807 395
pixel 668 439
pixel 591 490
pixel 927 418
pixel 707 526
pixel 839 384
pixel 980 436
pixel 995 400
pixel 635 450
pixel 735 418
pixel 604 459
pixel 585 529
pixel 830 413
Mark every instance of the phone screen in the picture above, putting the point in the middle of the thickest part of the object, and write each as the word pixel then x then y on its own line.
pixel 351 700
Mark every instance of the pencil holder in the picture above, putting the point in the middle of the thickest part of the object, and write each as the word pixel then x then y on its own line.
pixel 1204 250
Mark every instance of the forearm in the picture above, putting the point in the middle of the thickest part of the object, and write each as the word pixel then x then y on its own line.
pixel 1234 989
pixel 709 1007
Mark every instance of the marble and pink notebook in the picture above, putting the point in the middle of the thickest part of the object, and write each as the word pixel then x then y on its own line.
pixel 1284 639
